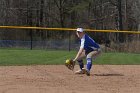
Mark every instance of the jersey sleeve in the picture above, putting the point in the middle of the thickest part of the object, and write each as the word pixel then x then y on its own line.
pixel 82 43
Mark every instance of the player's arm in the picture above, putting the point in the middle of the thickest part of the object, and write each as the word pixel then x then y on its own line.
pixel 80 50
pixel 78 54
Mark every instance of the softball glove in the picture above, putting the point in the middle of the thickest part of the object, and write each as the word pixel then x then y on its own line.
pixel 70 64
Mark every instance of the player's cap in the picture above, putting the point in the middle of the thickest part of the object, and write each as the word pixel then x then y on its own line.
pixel 80 30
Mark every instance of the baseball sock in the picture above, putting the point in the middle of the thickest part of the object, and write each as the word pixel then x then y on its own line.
pixel 81 64
pixel 89 63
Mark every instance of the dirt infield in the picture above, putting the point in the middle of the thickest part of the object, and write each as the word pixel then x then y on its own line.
pixel 58 79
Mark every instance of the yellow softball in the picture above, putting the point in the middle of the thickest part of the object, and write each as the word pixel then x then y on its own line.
pixel 67 61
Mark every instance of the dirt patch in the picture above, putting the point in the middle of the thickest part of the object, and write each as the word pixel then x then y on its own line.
pixel 58 79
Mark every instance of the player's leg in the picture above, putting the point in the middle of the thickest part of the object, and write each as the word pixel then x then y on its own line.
pixel 81 64
pixel 91 55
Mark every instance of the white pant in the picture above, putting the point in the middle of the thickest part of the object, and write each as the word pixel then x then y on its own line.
pixel 92 54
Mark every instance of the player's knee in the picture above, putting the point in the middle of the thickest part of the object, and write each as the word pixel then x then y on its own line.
pixel 89 60
pixel 89 56
pixel 80 61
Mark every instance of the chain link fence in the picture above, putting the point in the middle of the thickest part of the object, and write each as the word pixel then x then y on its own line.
pixel 67 40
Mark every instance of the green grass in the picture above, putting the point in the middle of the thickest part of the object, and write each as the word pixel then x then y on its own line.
pixel 50 57
pixel 119 59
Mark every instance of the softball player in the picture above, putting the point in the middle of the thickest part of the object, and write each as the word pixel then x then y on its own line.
pixel 89 49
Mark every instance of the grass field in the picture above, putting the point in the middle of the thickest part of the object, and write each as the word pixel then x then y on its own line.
pixel 50 57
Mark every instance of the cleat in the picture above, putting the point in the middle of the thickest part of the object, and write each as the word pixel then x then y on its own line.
pixel 79 72
pixel 87 72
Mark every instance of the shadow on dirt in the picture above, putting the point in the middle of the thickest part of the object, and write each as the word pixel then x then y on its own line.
pixel 108 74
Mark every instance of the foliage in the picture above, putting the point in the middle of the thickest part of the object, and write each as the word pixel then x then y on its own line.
pixel 91 14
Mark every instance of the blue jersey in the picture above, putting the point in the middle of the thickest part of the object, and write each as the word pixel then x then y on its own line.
pixel 88 44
